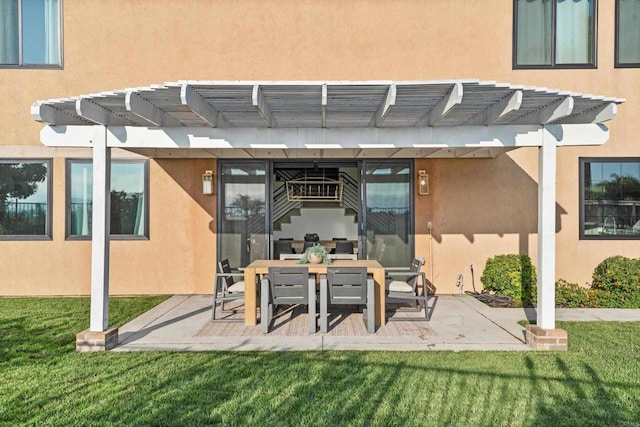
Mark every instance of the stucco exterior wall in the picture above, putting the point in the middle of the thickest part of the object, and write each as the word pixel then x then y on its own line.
pixel 478 208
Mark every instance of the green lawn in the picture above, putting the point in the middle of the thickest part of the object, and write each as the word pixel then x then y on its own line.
pixel 44 382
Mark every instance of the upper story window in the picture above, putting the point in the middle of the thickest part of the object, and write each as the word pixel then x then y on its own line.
pixel 610 198
pixel 25 194
pixel 554 34
pixel 30 33
pixel 628 33
pixel 129 199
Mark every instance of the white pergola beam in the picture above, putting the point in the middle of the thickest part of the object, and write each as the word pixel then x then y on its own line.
pixel 546 232
pixel 474 152
pixel 97 114
pixel 550 113
pixel 345 138
pixel 447 104
pixel 324 105
pixel 196 103
pixel 499 110
pixel 600 114
pixel 386 106
pixel 100 230
pixel 48 114
pixel 148 111
pixel 261 105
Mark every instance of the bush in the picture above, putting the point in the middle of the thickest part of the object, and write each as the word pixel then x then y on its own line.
pixel 571 295
pixel 512 275
pixel 617 274
pixel 598 298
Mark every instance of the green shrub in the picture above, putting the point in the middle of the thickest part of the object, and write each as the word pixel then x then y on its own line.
pixel 571 295
pixel 512 275
pixel 598 298
pixel 617 274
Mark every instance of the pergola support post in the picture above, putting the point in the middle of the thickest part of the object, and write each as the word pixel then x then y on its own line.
pixel 544 335
pixel 99 337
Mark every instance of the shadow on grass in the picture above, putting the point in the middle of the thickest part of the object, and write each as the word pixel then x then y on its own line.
pixel 320 388
pixel 582 397
pixel 42 328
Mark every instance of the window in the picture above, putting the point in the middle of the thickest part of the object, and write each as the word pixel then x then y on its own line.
pixel 25 194
pixel 30 33
pixel 610 198
pixel 129 199
pixel 628 33
pixel 554 33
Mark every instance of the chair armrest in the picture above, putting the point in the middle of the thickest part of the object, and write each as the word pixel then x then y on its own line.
pixel 406 274
pixel 230 274
pixel 395 269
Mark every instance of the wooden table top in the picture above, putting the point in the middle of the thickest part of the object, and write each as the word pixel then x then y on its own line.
pixel 262 265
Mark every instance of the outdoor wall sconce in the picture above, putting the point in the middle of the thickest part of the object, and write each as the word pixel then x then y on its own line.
pixel 423 183
pixel 207 182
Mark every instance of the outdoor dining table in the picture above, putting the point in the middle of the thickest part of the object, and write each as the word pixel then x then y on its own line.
pixel 260 268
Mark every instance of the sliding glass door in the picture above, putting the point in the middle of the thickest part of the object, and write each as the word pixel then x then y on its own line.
pixel 242 217
pixel 388 218
pixel 376 202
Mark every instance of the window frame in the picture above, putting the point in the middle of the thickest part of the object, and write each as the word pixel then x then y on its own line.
pixel 581 171
pixel 617 63
pixel 593 38
pixel 49 222
pixel 21 65
pixel 67 204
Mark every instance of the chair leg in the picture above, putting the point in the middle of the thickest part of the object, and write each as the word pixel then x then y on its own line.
pixel 324 322
pixel 371 311
pixel 265 307
pixel 425 294
pixel 312 306
pixel 215 302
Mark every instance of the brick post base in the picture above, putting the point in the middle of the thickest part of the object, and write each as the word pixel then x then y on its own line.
pixel 545 339
pixel 96 341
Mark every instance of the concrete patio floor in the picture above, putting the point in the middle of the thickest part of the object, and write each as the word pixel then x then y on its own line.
pixel 183 323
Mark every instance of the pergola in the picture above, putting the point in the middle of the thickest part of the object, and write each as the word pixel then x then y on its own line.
pixel 326 119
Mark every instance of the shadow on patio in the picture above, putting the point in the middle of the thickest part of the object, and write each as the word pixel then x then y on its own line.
pixel 183 323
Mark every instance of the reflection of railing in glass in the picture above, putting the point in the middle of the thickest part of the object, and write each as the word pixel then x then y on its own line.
pixel 387 220
pixel 23 218
pixel 609 217
pixel 127 214
pixel 607 224
pixel 232 212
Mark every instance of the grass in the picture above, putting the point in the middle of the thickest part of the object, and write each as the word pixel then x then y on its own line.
pixel 43 381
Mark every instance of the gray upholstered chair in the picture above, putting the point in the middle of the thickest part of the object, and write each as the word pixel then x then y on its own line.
pixel 402 287
pixel 344 247
pixel 282 247
pixel 347 286
pixel 287 286
pixel 226 288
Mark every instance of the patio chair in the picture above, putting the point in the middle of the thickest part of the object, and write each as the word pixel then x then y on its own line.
pixel 335 239
pixel 344 247
pixel 282 247
pixel 402 286
pixel 287 286
pixel 343 256
pixel 225 287
pixel 291 256
pixel 347 286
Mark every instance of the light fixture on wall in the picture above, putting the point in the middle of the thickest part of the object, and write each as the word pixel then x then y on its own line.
pixel 207 182
pixel 423 183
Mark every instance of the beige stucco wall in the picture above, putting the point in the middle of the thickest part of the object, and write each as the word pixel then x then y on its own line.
pixel 478 207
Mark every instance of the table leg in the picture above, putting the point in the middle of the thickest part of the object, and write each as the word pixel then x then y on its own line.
pixel 378 277
pixel 250 297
